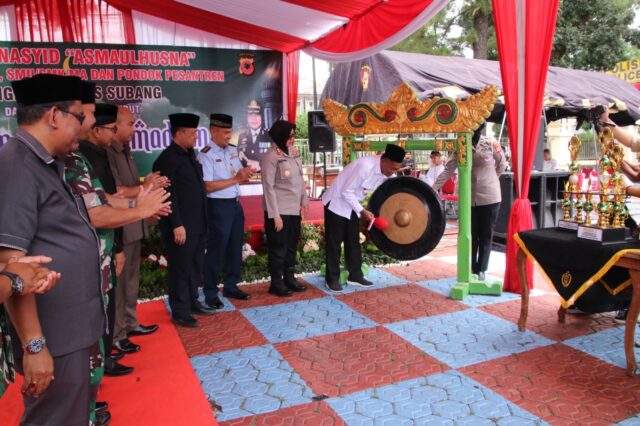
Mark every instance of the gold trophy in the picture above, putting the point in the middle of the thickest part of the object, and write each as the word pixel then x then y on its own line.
pixel 571 189
pixel 611 208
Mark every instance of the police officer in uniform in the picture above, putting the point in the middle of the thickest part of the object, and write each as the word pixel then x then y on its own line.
pixel 285 202
pixel 184 231
pixel 223 172
pixel 254 141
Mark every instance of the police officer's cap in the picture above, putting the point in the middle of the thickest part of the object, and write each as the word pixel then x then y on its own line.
pixel 221 120
pixel 253 107
pixel 184 119
pixel 394 153
pixel 88 92
pixel 105 114
pixel 46 89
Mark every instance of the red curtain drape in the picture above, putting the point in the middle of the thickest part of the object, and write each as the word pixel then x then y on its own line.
pixel 293 65
pixel 524 32
pixel 89 21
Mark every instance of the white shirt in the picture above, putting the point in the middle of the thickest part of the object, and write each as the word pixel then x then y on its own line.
pixel 432 174
pixel 549 165
pixel 352 185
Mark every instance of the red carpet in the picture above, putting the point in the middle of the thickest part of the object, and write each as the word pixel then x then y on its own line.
pixel 163 390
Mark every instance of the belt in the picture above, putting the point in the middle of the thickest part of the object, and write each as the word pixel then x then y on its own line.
pixel 228 200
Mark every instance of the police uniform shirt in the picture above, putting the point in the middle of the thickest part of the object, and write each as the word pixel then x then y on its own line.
pixel 220 164
pixel 282 183
pixel 352 185
pixel 40 215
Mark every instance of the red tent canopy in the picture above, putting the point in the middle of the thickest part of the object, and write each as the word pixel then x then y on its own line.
pixel 328 29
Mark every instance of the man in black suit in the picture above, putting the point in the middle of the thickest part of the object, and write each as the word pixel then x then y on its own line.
pixel 184 231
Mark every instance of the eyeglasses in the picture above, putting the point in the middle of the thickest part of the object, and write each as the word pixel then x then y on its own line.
pixel 114 129
pixel 79 117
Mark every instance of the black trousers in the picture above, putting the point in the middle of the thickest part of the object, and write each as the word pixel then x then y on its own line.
pixel 282 245
pixel 337 230
pixel 67 399
pixel 483 219
pixel 226 236
pixel 185 273
pixel 111 317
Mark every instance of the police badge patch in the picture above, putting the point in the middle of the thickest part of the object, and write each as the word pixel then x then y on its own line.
pixel 246 63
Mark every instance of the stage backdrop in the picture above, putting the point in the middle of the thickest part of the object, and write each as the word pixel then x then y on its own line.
pixel 155 81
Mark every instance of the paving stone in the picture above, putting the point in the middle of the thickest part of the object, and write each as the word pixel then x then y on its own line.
pixel 373 405
pixel 543 318
pixel 379 277
pixel 466 337
pixel 347 362
pixel 561 385
pixel 303 319
pixel 607 345
pixel 399 303
pixel 220 332
pixel 246 388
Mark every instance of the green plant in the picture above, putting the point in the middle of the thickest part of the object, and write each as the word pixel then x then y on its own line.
pixel 153 279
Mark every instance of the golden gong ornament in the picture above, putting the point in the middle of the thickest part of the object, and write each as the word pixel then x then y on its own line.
pixel 407 217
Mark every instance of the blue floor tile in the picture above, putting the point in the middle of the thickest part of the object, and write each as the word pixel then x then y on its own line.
pixel 379 278
pixel 442 399
pixel 303 319
pixel 250 381
pixel 443 286
pixel 228 306
pixel 466 337
pixel 607 345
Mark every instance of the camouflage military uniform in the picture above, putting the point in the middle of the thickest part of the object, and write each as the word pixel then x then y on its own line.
pixel 80 178
pixel 6 356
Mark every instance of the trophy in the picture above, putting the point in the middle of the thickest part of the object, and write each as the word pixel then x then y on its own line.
pixel 611 209
pixel 571 189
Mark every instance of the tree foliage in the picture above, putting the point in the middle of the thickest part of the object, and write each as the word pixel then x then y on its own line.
pixel 594 34
pixel 590 34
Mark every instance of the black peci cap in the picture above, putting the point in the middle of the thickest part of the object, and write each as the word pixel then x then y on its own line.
pixel 184 119
pixel 394 153
pixel 46 89
pixel 221 120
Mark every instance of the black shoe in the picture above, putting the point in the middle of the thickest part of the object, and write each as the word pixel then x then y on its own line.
pixel 117 355
pixel 199 309
pixel 290 281
pixel 214 302
pixel 236 294
pixel 103 418
pixel 143 330
pixel 126 346
pixel 101 406
pixel 621 316
pixel 334 287
pixel 278 288
pixel 112 368
pixel 361 282
pixel 188 322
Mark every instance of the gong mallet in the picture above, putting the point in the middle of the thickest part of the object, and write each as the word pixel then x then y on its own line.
pixel 379 222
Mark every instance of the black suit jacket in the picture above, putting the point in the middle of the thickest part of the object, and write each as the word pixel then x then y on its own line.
pixel 188 195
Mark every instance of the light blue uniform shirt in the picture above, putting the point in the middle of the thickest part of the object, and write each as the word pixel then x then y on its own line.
pixel 220 164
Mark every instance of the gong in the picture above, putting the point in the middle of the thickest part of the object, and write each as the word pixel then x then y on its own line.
pixel 415 216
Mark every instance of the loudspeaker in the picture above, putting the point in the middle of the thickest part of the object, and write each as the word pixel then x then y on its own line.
pixel 322 138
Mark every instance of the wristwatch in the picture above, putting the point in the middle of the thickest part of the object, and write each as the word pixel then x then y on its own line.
pixel 35 345
pixel 17 285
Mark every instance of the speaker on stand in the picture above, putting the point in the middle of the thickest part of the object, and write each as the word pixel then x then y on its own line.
pixel 322 138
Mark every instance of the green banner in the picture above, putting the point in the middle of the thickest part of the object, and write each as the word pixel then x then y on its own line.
pixel 155 81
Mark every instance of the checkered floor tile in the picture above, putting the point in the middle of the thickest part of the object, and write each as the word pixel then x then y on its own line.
pixel 466 337
pixel 402 352
pixel 378 277
pixel 250 381
pixel 441 399
pixel 309 318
